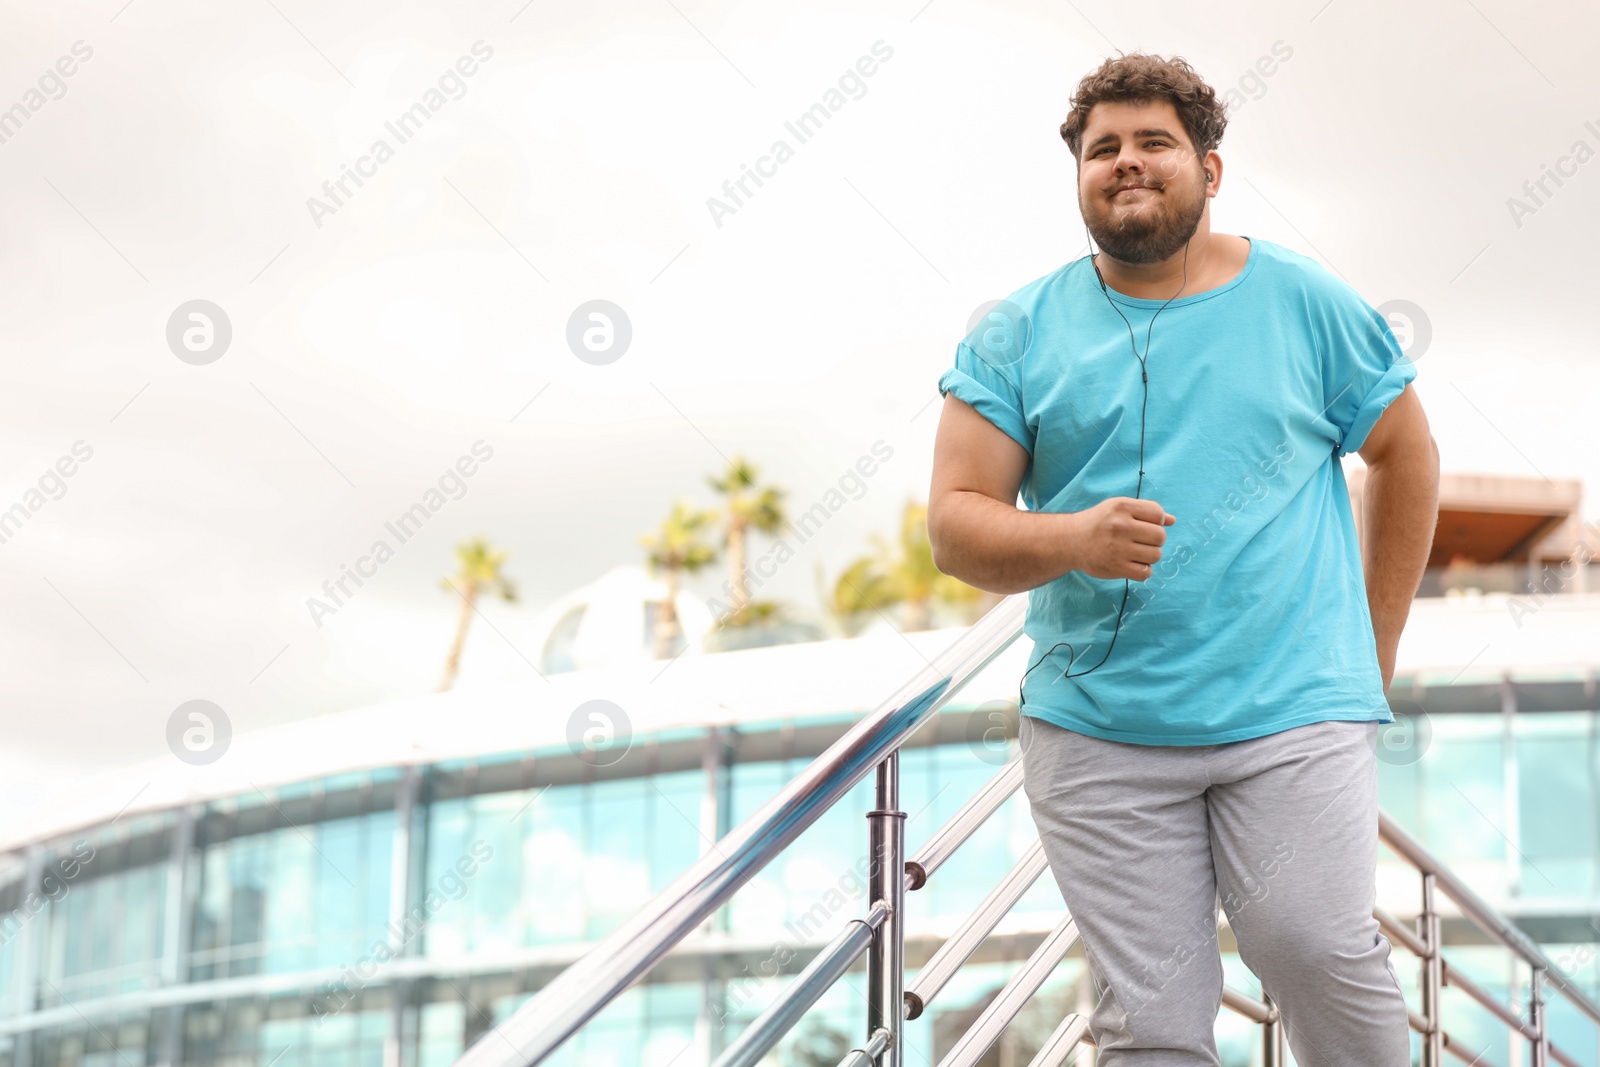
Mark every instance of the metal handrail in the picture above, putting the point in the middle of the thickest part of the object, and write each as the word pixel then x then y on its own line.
pixel 976 1039
pixel 574 996
pixel 825 968
pixel 959 946
pixel 982 804
pixel 1427 944
pixel 1482 914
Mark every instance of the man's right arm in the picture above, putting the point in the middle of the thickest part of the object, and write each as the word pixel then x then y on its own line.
pixel 979 535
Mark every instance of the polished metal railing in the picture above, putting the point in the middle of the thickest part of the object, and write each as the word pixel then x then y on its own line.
pixel 872 745
pixel 1437 973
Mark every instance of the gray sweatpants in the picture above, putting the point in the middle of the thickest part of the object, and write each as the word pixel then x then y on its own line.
pixel 1144 840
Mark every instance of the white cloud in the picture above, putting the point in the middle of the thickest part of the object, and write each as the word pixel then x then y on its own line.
pixel 376 348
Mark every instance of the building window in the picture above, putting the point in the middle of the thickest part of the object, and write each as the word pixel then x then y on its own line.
pixel 557 655
pixel 652 616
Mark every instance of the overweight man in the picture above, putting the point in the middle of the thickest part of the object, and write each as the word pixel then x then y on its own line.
pixel 1211 651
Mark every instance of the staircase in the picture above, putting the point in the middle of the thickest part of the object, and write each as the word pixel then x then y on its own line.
pixel 872 746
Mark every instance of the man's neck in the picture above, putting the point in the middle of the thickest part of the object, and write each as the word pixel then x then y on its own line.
pixel 1214 259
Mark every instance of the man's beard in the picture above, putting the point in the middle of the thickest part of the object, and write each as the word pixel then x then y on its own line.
pixel 1148 233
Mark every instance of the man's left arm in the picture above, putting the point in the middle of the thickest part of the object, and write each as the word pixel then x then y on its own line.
pixel 1400 508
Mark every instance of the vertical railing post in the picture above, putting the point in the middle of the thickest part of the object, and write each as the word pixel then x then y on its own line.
pixel 1273 1046
pixel 886 825
pixel 1088 1055
pixel 29 959
pixel 403 859
pixel 711 1025
pixel 178 924
pixel 1432 976
pixel 1537 1018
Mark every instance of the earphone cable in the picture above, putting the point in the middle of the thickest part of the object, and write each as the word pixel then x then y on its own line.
pixel 1144 373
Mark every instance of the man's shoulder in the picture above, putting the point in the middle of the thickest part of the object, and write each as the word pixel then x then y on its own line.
pixel 1045 287
pixel 1301 271
pixel 1019 315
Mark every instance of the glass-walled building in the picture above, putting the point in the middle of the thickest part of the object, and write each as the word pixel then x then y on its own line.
pixel 381 887
pixel 392 914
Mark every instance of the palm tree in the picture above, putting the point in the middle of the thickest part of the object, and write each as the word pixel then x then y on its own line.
pixel 676 547
pixel 748 507
pixel 859 590
pixel 901 574
pixel 479 571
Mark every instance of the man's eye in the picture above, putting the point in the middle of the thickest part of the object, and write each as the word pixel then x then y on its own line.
pixel 1107 148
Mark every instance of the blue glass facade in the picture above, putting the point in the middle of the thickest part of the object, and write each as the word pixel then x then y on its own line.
pixel 389 918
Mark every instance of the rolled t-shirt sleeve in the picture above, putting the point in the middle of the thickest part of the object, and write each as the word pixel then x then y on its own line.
pixel 1364 368
pixel 992 390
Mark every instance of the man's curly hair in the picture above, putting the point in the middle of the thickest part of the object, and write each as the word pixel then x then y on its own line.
pixel 1141 77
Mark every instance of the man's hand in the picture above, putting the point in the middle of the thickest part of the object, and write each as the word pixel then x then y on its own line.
pixel 1399 511
pixel 979 535
pixel 1121 537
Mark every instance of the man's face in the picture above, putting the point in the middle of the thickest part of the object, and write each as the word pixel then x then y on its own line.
pixel 1142 145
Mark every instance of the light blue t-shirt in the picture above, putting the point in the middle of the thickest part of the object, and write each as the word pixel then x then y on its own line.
pixel 1256 618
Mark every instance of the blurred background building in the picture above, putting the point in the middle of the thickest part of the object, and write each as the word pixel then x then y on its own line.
pixel 379 887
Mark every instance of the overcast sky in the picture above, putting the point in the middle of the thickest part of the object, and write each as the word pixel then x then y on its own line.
pixel 377 337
